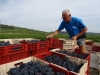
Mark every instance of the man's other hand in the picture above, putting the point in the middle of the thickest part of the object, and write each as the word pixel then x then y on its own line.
pixel 49 36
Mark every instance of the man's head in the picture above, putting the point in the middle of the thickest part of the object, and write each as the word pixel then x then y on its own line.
pixel 66 15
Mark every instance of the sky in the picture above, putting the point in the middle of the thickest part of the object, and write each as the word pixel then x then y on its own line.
pixel 45 15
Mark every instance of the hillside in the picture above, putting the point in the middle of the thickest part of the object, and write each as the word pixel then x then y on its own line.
pixel 13 29
pixel 7 31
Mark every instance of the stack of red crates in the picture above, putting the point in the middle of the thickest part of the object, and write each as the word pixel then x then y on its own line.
pixel 12 53
pixel 25 49
pixel 29 47
pixel 35 48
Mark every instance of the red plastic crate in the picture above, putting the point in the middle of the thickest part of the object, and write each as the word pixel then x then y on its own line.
pixel 29 44
pixel 15 56
pixel 43 55
pixel 41 44
pixel 87 58
pixel 11 49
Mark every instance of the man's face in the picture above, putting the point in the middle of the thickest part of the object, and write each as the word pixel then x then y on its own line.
pixel 66 17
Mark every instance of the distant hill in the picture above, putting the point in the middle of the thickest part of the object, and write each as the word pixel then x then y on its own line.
pixel 91 33
pixel 14 29
pixel 8 31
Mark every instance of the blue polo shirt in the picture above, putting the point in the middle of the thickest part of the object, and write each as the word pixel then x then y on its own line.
pixel 74 27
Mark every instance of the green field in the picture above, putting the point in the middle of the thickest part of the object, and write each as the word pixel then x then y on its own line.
pixel 8 32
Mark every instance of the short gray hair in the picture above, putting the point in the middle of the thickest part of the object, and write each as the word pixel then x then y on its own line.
pixel 66 11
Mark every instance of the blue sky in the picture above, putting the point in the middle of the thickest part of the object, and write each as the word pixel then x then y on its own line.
pixel 45 15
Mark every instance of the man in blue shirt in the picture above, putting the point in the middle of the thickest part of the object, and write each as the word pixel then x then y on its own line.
pixel 74 27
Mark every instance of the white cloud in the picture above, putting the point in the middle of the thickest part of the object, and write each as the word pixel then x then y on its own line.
pixel 45 15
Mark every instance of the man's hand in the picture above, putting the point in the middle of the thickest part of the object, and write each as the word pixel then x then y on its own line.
pixel 74 38
pixel 49 36
pixel 53 34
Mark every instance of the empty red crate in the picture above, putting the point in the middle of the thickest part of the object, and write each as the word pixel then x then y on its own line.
pixel 15 56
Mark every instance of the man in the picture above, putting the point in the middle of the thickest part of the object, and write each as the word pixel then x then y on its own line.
pixel 74 27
